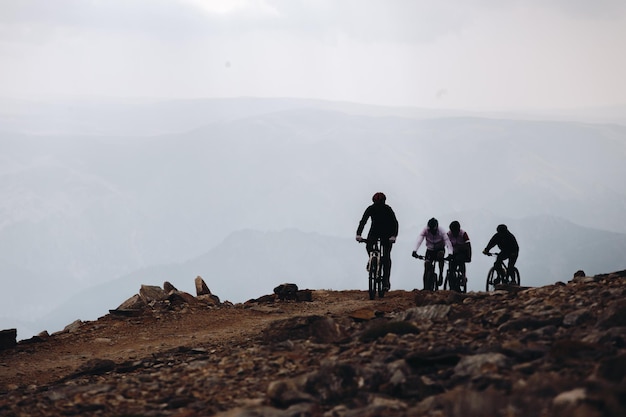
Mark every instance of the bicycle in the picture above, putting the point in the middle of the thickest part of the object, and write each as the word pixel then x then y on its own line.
pixel 375 271
pixel 499 274
pixel 430 276
pixel 454 276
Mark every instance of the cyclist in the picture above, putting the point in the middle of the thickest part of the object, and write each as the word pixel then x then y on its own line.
pixel 509 249
pixel 436 242
pixel 461 247
pixel 383 226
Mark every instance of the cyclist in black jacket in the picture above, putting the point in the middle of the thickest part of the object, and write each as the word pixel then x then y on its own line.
pixel 506 242
pixel 384 226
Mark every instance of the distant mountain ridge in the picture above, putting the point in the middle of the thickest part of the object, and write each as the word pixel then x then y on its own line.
pixel 251 263
pixel 77 211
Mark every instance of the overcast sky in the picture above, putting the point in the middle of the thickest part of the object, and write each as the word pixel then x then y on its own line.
pixel 466 54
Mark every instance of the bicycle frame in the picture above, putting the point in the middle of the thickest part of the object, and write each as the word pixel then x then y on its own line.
pixel 454 276
pixel 500 274
pixel 374 269
pixel 430 274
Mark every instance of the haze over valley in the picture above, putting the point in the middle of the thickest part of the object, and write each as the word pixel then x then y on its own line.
pixel 272 192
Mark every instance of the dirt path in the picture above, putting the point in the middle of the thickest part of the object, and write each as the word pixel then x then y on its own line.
pixel 123 339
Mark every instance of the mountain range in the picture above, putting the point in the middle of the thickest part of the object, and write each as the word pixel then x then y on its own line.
pixel 250 193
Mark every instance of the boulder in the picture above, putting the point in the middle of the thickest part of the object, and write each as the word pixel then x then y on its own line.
pixel 149 293
pixel 201 287
pixel 8 338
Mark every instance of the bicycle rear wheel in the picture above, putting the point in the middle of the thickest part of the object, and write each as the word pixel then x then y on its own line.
pixel 516 278
pixel 491 277
pixel 372 277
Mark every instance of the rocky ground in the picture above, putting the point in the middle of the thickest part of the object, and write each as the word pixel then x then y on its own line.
pixel 558 350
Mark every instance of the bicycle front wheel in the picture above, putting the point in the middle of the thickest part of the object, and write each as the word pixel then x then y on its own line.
pixel 462 283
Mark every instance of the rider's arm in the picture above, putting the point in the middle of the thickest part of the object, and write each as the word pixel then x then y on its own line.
pixel 420 239
pixel 491 243
pixel 366 216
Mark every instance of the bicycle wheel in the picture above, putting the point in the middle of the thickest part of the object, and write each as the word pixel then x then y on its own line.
pixel 462 284
pixel 379 285
pixel 372 277
pixel 491 277
pixel 447 281
pixel 516 277
pixel 428 279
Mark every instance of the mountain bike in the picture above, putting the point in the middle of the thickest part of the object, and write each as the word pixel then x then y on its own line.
pixel 454 276
pixel 430 276
pixel 499 274
pixel 375 270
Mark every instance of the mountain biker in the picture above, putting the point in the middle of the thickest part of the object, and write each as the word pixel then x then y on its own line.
pixel 509 249
pixel 436 242
pixel 461 247
pixel 383 226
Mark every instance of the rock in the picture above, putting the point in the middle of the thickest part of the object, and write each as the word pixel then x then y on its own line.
pixel 150 293
pixel 286 291
pixel 429 312
pixel 72 327
pixel 319 329
pixel 201 287
pixel 8 338
pixel 179 298
pixel 476 365
pixel 133 303
pixel 168 287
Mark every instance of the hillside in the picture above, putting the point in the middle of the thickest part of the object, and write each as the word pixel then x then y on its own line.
pixel 557 350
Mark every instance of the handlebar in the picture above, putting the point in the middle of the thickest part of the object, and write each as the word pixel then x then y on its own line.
pixel 491 254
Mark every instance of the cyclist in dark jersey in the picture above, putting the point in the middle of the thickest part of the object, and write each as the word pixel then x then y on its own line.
pixel 383 226
pixel 506 242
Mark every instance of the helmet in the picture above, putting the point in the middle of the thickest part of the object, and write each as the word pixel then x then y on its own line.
pixel 379 198
pixel 455 226
pixel 501 228
pixel 433 223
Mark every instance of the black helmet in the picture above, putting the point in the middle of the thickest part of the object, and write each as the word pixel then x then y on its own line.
pixel 433 224
pixel 379 198
pixel 455 226
pixel 501 228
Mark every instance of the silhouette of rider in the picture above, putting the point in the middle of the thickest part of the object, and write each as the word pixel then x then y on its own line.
pixel 461 246
pixel 436 242
pixel 509 249
pixel 383 226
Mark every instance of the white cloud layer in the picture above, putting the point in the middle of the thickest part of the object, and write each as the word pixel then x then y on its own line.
pixel 484 54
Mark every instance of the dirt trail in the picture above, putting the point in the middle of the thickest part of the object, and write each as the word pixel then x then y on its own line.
pixel 124 339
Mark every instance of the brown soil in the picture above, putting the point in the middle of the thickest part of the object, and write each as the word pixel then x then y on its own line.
pixel 122 339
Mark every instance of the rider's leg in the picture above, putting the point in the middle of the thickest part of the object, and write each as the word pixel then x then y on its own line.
pixel 386 263
pixel 512 260
pixel 369 245
pixel 500 265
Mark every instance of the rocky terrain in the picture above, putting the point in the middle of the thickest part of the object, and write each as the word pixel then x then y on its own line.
pixel 558 350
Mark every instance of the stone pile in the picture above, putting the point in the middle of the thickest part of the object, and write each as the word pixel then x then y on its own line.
pixel 156 298
pixel 558 350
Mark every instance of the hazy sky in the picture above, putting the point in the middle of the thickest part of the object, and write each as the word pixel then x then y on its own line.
pixel 470 54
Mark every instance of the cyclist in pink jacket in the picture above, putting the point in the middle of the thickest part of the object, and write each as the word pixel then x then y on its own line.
pixel 436 242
